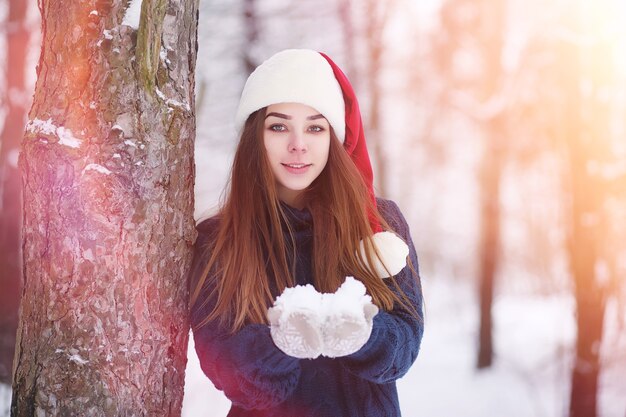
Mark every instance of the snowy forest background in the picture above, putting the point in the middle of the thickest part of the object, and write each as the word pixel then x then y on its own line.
pixel 499 127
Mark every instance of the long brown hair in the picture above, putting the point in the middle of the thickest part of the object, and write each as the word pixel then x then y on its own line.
pixel 248 256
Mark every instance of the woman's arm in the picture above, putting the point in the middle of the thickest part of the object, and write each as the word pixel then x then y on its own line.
pixel 396 335
pixel 246 364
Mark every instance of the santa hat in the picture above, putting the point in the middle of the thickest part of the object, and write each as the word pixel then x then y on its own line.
pixel 312 78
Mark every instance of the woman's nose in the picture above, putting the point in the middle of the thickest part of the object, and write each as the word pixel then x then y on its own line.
pixel 296 142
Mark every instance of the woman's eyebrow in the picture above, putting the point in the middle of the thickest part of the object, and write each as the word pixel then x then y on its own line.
pixel 280 115
pixel 284 116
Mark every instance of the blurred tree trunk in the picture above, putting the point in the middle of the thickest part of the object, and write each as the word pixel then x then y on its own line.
pixel 349 38
pixel 490 174
pixel 107 170
pixel 491 30
pixel 587 139
pixel 377 16
pixel 476 28
pixel 587 136
pixel 590 303
pixel 251 23
pixel 16 102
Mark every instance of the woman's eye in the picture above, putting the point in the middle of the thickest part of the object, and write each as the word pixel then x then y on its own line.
pixel 277 128
pixel 316 128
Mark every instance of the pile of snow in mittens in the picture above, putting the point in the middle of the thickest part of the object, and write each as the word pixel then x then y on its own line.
pixel 344 318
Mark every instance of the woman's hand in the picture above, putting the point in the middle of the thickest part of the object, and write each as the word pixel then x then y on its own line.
pixel 349 314
pixel 296 322
pixel 305 323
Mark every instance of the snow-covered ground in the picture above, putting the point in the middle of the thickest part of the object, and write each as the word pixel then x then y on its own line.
pixel 530 376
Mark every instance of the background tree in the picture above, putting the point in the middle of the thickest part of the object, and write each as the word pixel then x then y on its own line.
pixel 251 27
pixel 107 168
pixel 15 101
pixel 491 36
pixel 349 37
pixel 377 14
pixel 577 90
pixel 587 137
pixel 470 59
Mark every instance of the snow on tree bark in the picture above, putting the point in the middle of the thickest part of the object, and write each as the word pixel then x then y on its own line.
pixel 107 171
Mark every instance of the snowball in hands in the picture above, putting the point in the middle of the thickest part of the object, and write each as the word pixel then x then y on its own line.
pixel 296 321
pixel 349 313
pixel 305 323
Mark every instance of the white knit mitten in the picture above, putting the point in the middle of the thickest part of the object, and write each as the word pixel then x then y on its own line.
pixel 349 315
pixel 296 321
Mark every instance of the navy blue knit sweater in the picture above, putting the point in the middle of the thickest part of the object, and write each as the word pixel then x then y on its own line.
pixel 262 381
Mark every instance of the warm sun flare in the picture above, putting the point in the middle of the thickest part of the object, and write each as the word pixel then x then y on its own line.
pixel 602 27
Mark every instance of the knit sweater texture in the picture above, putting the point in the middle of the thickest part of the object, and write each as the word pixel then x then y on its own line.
pixel 262 381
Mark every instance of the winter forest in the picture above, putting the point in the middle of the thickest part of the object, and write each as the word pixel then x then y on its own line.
pixel 499 127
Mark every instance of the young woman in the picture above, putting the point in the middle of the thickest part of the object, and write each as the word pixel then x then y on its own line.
pixel 302 300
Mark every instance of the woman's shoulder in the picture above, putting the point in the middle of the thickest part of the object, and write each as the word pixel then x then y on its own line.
pixel 390 211
pixel 208 225
pixel 207 230
pixel 388 207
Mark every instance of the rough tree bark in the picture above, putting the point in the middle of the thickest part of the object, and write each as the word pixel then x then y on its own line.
pixel 17 102
pixel 107 170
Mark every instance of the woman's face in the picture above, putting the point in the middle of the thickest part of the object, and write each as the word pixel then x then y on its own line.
pixel 297 141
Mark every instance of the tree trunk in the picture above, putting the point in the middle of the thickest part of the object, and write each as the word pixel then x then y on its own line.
pixel 344 9
pixel 590 300
pixel 107 170
pixel 252 34
pixel 376 21
pixel 492 33
pixel 588 144
pixel 17 103
pixel 491 171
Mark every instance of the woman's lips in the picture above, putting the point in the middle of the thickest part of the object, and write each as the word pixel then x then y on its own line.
pixel 297 168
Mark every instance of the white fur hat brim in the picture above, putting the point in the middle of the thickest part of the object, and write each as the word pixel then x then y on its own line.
pixel 294 76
